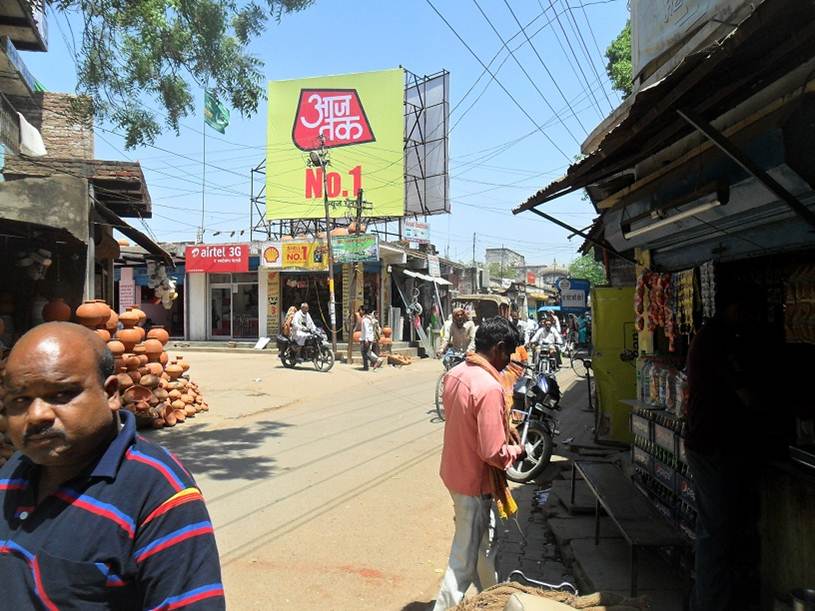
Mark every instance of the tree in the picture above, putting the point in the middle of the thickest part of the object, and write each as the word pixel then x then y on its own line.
pixel 132 53
pixel 619 68
pixel 586 268
pixel 502 272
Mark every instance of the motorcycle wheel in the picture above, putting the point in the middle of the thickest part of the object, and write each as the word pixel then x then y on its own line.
pixel 324 359
pixel 578 366
pixel 539 441
pixel 439 394
pixel 288 359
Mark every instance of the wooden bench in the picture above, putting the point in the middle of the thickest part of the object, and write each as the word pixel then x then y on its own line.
pixel 629 509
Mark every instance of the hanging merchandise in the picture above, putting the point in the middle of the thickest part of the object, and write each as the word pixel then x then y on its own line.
pixel 707 279
pixel 639 302
pixel 683 301
pixel 35 262
pixel 163 285
pixel 799 317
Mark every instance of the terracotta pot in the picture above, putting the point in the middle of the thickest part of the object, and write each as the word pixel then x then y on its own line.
pixel 387 331
pixel 129 337
pixel 103 307
pixel 187 399
pixel 160 333
pixel 163 358
pixel 155 368
pixel 103 333
pixel 357 336
pixel 174 370
pixel 143 370
pixel 129 319
pixel 139 348
pixel 143 360
pixel 352 227
pixel 184 364
pixel 135 376
pixel 131 361
pixel 136 393
pixel 149 381
pixel 56 310
pixel 174 394
pixel 142 316
pixel 153 349
pixel 161 394
pixel 113 321
pixel 118 363
pixel 91 314
pixel 116 348
pixel 125 381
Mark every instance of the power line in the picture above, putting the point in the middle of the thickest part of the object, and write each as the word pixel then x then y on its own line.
pixel 500 84
pixel 593 37
pixel 526 74
pixel 576 29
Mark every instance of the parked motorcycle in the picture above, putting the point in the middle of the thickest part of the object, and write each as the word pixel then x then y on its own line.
pixel 536 399
pixel 316 349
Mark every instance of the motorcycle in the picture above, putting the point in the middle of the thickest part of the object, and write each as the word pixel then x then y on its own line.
pixel 316 349
pixel 450 359
pixel 536 398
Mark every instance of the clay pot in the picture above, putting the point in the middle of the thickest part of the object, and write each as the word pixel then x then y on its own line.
pixel 103 333
pixel 118 363
pixel 178 404
pixel 189 411
pixel 161 394
pixel 163 358
pixel 135 375
pixel 103 307
pixel 116 348
pixel 125 381
pixel 129 337
pixel 160 333
pixel 387 331
pixel 180 415
pixel 143 360
pixel 129 319
pixel 56 310
pixel 131 361
pixel 174 394
pixel 357 336
pixel 158 423
pixel 187 399
pixel 149 381
pixel 184 364
pixel 174 370
pixel 352 227
pixel 113 321
pixel 91 314
pixel 155 368
pixel 142 316
pixel 153 349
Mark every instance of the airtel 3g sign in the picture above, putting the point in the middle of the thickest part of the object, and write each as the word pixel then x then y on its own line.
pixel 217 258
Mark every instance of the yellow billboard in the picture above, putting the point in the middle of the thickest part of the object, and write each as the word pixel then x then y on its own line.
pixel 358 120
pixel 305 255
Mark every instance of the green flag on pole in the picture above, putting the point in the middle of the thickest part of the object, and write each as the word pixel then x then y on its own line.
pixel 216 115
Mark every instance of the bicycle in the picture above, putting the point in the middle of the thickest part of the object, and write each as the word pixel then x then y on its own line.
pixel 450 359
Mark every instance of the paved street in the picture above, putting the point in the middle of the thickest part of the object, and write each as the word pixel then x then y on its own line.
pixel 323 488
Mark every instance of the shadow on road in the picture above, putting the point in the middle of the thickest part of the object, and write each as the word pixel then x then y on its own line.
pixel 223 454
pixel 418 606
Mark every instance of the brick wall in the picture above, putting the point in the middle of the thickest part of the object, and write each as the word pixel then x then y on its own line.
pixel 51 114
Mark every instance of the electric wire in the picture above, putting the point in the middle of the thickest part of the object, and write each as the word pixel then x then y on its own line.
pixel 579 34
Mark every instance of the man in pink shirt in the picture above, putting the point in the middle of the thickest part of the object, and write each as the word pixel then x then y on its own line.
pixel 475 442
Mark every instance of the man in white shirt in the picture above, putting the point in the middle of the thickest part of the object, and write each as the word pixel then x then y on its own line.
pixel 367 339
pixel 301 327
pixel 546 338
pixel 458 333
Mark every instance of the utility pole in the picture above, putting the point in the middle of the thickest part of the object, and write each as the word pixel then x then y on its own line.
pixel 321 160
pixel 475 269
pixel 352 305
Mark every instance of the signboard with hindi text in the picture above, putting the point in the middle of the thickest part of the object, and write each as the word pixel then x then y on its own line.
pixel 217 258
pixel 416 232
pixel 356 248
pixel 304 255
pixel 358 120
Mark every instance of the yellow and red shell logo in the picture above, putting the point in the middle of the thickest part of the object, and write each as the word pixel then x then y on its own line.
pixel 271 254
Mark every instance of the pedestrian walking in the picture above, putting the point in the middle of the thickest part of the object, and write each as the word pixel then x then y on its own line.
pixel 95 516
pixel 367 340
pixel 477 450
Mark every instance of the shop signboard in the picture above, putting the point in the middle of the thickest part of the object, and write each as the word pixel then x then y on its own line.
pixel 304 255
pixel 356 248
pixel 433 266
pixel 416 232
pixel 358 121
pixel 127 289
pixel 273 304
pixel 271 255
pixel 574 295
pixel 217 258
pixel 531 278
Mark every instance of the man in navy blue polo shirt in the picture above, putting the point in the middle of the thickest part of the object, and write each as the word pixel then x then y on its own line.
pixel 93 516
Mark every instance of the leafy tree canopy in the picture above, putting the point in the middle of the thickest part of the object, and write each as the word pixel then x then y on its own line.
pixel 586 268
pixel 135 54
pixel 503 272
pixel 618 67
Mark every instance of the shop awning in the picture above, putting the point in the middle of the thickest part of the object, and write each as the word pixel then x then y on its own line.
pixel 425 277
pixel 114 220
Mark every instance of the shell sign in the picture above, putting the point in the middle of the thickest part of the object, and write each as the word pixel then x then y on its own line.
pixel 271 256
pixel 217 258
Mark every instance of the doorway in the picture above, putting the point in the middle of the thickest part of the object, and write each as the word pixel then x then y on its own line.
pixel 233 306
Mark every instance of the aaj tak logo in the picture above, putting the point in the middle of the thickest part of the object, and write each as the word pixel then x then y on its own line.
pixel 335 116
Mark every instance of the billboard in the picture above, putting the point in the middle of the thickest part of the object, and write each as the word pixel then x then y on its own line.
pixel 416 232
pixel 573 295
pixel 355 248
pixel 359 120
pixel 217 258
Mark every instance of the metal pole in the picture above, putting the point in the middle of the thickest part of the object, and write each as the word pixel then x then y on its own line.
pixel 332 314
pixel 352 305
pixel 203 170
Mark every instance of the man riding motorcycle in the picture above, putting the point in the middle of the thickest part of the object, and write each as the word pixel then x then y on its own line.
pixel 458 333
pixel 546 338
pixel 301 327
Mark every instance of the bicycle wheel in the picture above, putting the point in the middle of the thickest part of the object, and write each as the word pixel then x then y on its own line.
pixel 578 366
pixel 439 393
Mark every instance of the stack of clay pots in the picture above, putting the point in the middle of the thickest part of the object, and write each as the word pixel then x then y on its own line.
pixel 152 386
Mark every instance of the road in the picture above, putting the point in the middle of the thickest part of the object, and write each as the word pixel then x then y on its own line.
pixel 323 488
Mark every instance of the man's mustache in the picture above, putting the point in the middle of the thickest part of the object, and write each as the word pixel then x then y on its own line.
pixel 45 431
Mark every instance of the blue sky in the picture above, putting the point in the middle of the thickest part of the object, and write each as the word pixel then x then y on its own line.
pixel 499 157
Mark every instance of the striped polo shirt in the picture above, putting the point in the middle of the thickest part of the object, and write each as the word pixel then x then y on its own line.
pixel 131 532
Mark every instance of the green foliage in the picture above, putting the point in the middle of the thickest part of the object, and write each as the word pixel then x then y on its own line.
pixel 497 271
pixel 618 67
pixel 586 268
pixel 137 54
